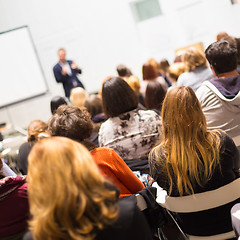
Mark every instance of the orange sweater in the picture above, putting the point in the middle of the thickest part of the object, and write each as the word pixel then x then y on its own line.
pixel 116 170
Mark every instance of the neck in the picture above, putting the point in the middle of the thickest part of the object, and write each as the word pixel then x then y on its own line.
pixel 227 74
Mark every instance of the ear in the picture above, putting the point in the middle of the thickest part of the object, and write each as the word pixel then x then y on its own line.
pixel 214 73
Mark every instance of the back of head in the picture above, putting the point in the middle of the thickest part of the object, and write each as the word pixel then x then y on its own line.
pixel 222 56
pixel 66 191
pixel 154 95
pixel 71 122
pixel 175 70
pixel 221 35
pixel 134 83
pixel 78 96
pixel 56 102
pixel 193 58
pixel 191 151
pixel 35 128
pixel 93 103
pixel 182 103
pixel 118 97
pixel 164 65
pixel 149 72
pixel 123 71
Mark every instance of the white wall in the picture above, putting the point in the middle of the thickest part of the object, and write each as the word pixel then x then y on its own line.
pixel 100 34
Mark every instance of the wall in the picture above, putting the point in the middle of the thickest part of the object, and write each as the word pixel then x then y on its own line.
pixel 99 35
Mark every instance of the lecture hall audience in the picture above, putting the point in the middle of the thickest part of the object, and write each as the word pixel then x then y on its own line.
pixel 70 199
pixel 78 190
pixel 75 123
pixel 129 131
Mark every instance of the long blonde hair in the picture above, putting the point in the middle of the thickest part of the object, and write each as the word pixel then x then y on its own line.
pixel 190 151
pixel 67 194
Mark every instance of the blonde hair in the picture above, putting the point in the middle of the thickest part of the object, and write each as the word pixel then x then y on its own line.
pixel 67 194
pixel 78 96
pixel 193 58
pixel 175 70
pixel 134 83
pixel 190 151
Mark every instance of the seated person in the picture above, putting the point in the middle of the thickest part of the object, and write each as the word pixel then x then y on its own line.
pixel 56 102
pixel 196 68
pixel 192 160
pixel 131 132
pixel 37 129
pixel 75 123
pixel 70 199
pixel 78 96
pixel 14 205
pixel 93 103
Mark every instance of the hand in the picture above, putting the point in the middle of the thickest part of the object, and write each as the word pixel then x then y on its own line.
pixel 74 66
pixel 64 70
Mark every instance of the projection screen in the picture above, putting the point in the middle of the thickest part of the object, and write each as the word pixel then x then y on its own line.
pixel 21 75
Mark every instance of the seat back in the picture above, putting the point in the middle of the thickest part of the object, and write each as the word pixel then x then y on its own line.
pixel 205 202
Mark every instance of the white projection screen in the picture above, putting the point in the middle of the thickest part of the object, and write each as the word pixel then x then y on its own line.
pixel 21 75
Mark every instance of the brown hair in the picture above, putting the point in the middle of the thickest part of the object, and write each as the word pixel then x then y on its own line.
pixel 149 72
pixel 35 128
pixel 67 194
pixel 118 97
pixel 72 122
pixel 193 58
pixel 154 96
pixel 93 103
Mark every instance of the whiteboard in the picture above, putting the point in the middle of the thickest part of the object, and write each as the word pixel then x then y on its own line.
pixel 21 76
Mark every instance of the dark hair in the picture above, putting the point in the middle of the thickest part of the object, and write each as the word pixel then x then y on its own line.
pixel 56 102
pixel 123 71
pixel 118 97
pixel 164 64
pixel 222 56
pixel 149 72
pixel 71 122
pixel 238 48
pixel 93 103
pixel 154 95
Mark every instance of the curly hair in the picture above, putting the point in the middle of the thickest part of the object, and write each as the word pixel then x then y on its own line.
pixel 71 122
pixel 35 128
pixel 67 194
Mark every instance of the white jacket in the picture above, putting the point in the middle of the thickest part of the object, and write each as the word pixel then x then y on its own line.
pixel 220 112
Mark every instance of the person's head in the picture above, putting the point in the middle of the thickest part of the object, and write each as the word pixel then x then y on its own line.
pixel 149 72
pixel 56 102
pixel 154 95
pixel 175 70
pixel 67 194
pixel 71 122
pixel 134 83
pixel 164 65
pixel 118 97
pixel 193 58
pixel 191 151
pixel 153 62
pixel 222 57
pixel 62 54
pixel 123 71
pixel 93 103
pixel 221 35
pixel 78 96
pixel 36 130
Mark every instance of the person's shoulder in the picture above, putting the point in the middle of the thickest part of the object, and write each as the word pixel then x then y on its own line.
pixel 203 90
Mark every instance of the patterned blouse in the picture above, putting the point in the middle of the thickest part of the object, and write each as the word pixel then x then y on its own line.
pixel 132 135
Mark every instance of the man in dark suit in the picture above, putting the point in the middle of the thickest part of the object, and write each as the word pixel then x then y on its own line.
pixel 65 72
